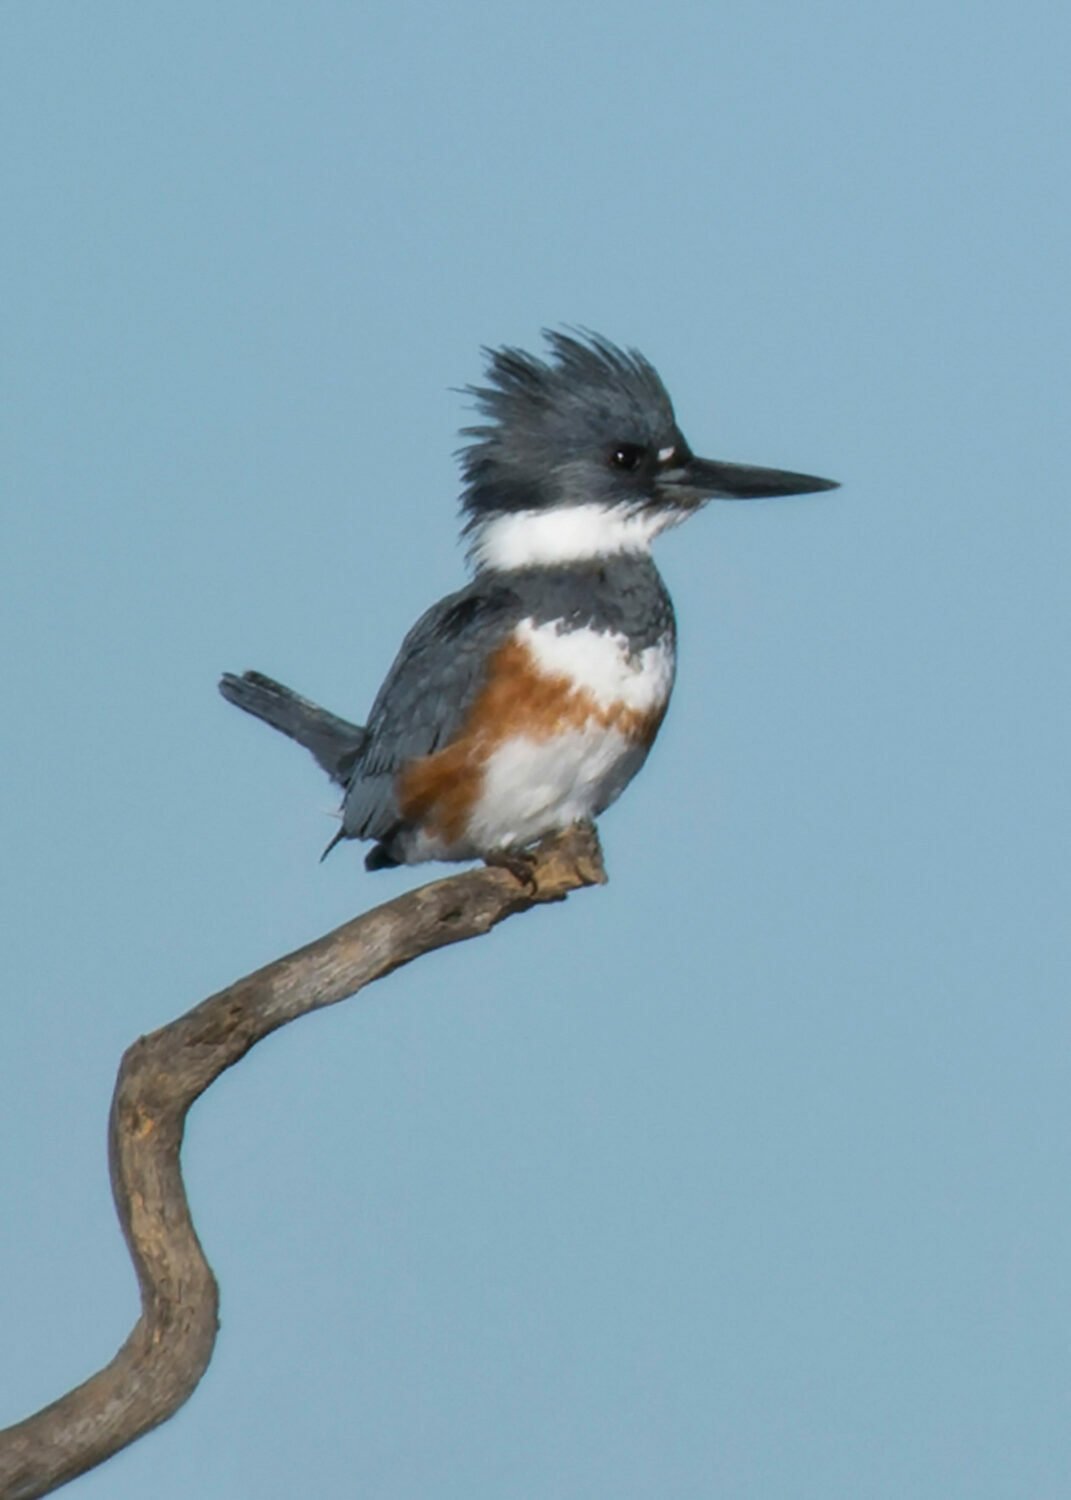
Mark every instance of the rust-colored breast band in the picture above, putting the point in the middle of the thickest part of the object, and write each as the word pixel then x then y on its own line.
pixel 439 791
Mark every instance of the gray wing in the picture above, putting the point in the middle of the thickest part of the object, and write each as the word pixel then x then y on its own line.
pixel 427 693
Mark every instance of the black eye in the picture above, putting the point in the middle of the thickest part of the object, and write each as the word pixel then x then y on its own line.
pixel 627 456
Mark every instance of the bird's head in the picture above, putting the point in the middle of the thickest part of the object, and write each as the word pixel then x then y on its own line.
pixel 580 455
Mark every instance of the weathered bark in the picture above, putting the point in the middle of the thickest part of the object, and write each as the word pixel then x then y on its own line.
pixel 161 1075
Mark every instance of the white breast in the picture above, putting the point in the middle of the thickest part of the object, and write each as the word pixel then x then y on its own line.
pixel 533 785
pixel 600 664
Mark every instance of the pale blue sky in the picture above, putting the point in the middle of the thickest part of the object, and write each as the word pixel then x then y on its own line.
pixel 748 1175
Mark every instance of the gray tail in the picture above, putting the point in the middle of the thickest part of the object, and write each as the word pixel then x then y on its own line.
pixel 333 742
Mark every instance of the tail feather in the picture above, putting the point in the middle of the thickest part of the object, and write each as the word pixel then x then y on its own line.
pixel 333 742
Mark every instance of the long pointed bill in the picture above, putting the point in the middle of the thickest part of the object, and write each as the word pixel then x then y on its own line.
pixel 705 479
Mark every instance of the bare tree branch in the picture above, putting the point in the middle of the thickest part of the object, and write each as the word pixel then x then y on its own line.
pixel 161 1075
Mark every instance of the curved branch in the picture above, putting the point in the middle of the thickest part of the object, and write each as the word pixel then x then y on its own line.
pixel 161 1075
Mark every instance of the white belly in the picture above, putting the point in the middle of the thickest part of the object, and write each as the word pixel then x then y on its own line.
pixel 534 785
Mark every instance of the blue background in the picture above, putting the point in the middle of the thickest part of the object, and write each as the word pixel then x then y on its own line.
pixel 748 1175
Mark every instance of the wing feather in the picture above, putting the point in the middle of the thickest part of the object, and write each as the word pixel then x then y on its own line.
pixel 425 697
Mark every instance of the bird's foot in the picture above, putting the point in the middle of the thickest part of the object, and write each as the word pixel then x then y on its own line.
pixel 521 864
pixel 561 861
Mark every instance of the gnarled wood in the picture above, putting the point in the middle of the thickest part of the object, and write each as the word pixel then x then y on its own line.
pixel 161 1075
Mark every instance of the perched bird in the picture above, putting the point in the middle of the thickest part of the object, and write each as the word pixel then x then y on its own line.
pixel 529 699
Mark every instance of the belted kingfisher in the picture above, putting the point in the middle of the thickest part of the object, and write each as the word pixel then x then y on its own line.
pixel 529 699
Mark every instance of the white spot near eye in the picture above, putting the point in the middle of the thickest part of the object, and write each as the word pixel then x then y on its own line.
pixel 665 454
